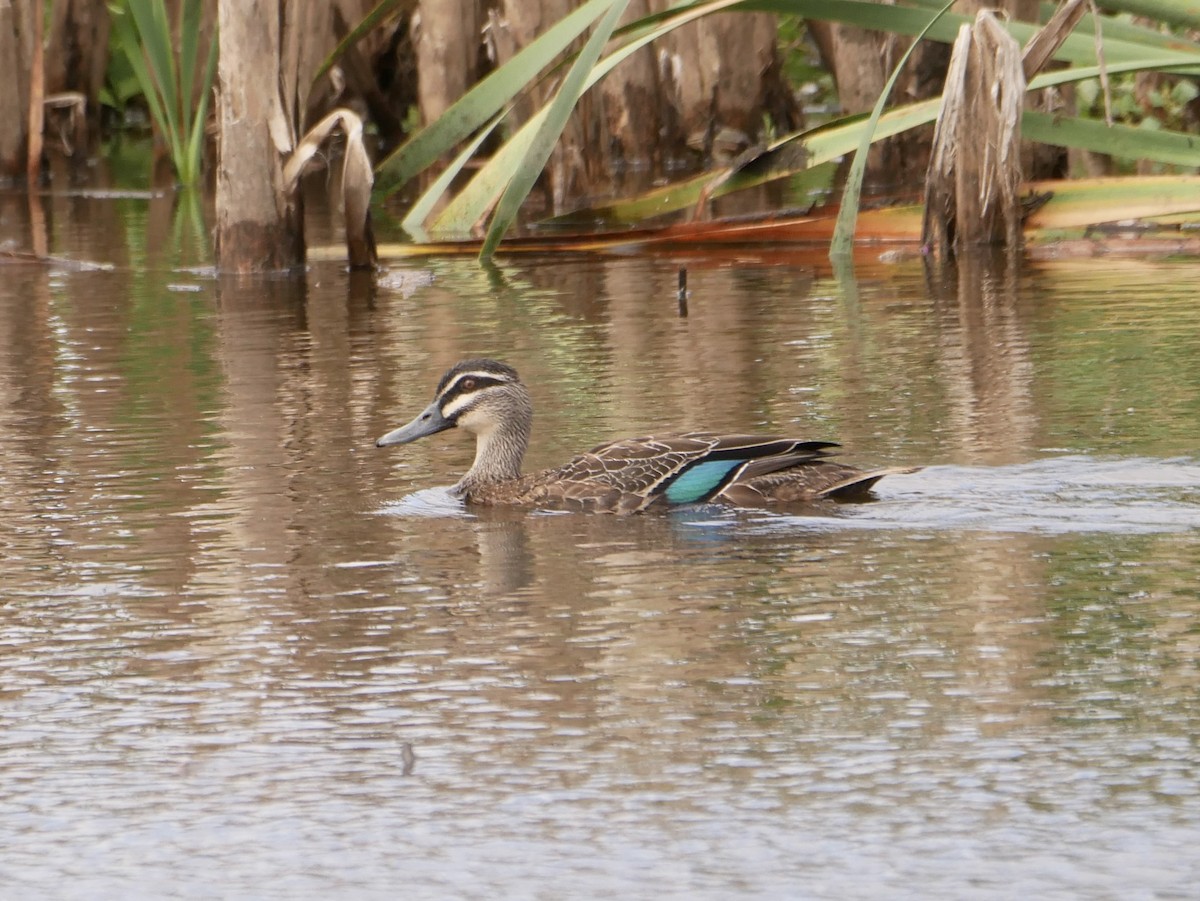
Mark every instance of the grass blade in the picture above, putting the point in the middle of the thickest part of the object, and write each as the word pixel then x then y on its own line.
pixel 484 100
pixel 1094 201
pixel 1159 145
pixel 547 134
pixel 835 139
pixel 413 221
pixel 142 32
pixel 127 36
pixel 470 205
pixel 189 49
pixel 843 235
pixel 1079 48
pixel 154 34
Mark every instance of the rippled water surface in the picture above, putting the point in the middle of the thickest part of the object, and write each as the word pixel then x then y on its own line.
pixel 245 654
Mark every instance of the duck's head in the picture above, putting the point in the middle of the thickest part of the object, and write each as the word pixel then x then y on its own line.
pixel 486 398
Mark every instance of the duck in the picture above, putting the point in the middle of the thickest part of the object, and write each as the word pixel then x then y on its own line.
pixel 487 399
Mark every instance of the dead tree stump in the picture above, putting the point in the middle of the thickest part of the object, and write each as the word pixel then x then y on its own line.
pixel 260 223
pixel 972 189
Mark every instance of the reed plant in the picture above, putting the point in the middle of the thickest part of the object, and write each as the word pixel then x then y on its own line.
pixel 450 208
pixel 175 76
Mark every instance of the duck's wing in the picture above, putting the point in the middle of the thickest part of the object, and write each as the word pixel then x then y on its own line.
pixel 623 476
pixel 807 481
pixel 634 473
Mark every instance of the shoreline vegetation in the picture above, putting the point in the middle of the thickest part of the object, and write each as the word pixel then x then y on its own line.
pixel 478 127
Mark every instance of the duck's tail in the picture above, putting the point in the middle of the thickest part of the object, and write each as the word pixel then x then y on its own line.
pixel 858 486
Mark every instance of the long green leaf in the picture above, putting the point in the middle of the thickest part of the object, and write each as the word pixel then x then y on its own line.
pixel 142 31
pixel 493 93
pixel 822 144
pixel 843 233
pixel 547 134
pixel 1162 146
pixel 154 32
pixel 469 206
pixel 189 52
pixel 837 138
pixel 127 36
pixel 833 141
pixel 413 221
pixel 1079 48
pixel 483 100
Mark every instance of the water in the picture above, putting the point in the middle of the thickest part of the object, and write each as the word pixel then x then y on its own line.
pixel 245 654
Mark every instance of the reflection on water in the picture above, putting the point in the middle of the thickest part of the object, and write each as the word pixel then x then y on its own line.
pixel 246 654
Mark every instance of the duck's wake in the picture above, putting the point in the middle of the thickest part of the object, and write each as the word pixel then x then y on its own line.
pixel 1058 495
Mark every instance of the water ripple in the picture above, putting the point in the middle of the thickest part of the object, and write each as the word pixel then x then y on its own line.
pixel 1057 495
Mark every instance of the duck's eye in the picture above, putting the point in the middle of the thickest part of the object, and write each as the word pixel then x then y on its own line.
pixel 467 384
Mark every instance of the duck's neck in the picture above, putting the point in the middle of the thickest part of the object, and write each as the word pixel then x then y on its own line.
pixel 498 454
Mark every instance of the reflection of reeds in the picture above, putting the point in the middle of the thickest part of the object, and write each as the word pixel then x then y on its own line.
pixel 178 103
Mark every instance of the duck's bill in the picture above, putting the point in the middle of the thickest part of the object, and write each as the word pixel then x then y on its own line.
pixel 429 421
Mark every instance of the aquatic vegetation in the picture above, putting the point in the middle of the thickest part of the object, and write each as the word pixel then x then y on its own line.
pixel 176 81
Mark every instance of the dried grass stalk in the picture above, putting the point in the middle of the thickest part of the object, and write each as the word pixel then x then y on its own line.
pixel 1049 38
pixel 356 182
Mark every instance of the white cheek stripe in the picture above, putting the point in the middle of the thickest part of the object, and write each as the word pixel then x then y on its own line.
pixel 457 405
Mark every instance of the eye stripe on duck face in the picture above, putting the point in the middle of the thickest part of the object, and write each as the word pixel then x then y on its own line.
pixel 459 394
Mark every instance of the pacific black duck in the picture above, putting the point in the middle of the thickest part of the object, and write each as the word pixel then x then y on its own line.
pixel 488 399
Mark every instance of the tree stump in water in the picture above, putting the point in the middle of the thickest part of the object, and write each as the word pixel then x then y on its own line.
pixel 18 27
pixel 973 184
pixel 260 225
